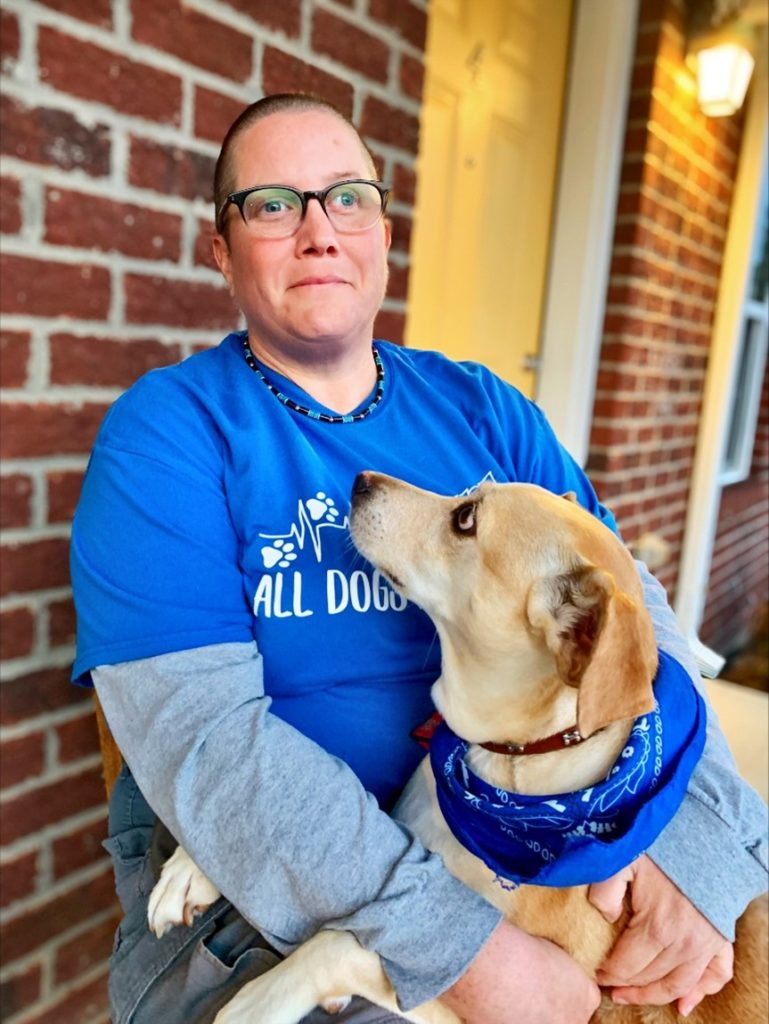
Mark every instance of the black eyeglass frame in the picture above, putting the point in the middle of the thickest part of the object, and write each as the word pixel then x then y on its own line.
pixel 239 198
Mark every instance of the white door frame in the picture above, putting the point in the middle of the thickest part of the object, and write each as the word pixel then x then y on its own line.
pixel 585 213
pixel 705 493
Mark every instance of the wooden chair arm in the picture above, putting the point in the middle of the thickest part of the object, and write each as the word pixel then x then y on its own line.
pixel 111 758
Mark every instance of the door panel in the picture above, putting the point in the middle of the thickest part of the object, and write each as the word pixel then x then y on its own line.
pixel 487 169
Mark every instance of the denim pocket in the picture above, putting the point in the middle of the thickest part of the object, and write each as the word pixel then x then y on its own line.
pixel 130 863
pixel 199 970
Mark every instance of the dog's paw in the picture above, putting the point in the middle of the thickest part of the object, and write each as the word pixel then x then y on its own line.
pixel 182 892
pixel 336 1004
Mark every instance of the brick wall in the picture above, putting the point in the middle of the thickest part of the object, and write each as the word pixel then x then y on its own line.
pixel 739 572
pixel 111 113
pixel 675 196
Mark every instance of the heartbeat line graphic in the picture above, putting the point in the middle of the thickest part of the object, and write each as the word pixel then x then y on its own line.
pixel 487 479
pixel 312 516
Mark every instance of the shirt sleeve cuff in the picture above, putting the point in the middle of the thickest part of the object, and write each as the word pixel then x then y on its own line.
pixel 696 849
pixel 448 925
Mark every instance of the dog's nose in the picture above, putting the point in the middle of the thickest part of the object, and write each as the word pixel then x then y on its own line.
pixel 362 483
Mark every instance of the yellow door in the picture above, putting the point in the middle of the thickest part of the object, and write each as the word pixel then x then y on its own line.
pixel 490 130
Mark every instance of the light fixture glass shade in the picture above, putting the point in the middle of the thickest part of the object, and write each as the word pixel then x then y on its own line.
pixel 723 75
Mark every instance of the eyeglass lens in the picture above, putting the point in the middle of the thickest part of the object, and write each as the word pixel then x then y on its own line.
pixel 350 206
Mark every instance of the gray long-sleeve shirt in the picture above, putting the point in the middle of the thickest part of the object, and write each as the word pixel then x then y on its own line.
pixel 289 835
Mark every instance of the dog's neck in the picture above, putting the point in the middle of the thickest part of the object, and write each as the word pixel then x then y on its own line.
pixel 561 771
pixel 538 705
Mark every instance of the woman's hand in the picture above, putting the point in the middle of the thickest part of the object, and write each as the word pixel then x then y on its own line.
pixel 668 952
pixel 518 977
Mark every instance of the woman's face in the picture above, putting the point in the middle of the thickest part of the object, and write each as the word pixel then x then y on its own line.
pixel 318 287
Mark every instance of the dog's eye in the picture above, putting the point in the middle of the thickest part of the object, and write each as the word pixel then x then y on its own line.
pixel 464 519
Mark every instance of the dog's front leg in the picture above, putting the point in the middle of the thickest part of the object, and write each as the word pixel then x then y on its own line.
pixel 324 970
pixel 181 892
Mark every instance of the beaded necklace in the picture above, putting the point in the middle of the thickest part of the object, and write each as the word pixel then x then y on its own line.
pixel 312 413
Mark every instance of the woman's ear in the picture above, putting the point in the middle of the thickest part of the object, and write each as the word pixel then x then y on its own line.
pixel 221 251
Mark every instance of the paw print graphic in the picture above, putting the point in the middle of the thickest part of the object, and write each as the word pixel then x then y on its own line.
pixel 322 507
pixel 280 553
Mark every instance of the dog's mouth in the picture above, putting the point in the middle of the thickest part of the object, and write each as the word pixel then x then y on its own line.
pixel 390 575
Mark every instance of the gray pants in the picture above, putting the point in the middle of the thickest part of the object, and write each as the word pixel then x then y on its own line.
pixel 188 975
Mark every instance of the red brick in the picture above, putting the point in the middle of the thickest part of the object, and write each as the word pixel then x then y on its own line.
pixel 203 254
pixel 10 207
pixel 104 362
pixel 281 72
pixel 171 170
pixel 34 565
pixel 14 358
pixel 42 288
pixel 38 693
pixel 18 878
pixel 411 76
pixel 388 124
pixel 19 991
pixel 15 497
pixel 285 16
pixel 193 37
pixel 49 429
pixel 214 113
pixel 404 184
pixel 202 346
pixel 51 803
pixel 93 222
pixel 22 758
pixel 78 738
pixel 80 848
pixel 157 300
pixel 64 487
pixel 9 37
pixel 390 326
pixel 397 286
pixel 61 623
pixel 36 927
pixel 86 951
pixel 85 1005
pixel 409 21
pixel 82 69
pixel 42 135
pixel 98 12
pixel 349 45
pixel 17 632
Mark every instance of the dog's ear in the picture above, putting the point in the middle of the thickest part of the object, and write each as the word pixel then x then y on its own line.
pixel 602 643
pixel 570 496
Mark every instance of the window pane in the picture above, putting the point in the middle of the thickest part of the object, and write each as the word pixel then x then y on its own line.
pixel 760 275
pixel 745 398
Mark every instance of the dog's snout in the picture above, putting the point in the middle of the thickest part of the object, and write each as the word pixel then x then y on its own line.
pixel 363 483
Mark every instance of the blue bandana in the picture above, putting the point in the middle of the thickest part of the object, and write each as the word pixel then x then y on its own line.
pixel 590 835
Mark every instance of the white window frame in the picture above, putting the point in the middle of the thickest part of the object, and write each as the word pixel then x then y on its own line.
pixel 604 39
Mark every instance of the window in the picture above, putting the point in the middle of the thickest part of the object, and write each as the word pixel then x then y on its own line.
pixel 746 396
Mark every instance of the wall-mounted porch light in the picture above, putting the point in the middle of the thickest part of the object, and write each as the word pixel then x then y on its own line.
pixel 724 63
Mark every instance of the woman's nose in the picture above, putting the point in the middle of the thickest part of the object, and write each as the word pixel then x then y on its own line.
pixel 316 232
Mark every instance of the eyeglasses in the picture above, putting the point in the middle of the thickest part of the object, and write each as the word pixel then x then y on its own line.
pixel 276 211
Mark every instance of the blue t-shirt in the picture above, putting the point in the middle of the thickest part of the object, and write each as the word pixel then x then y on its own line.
pixel 213 513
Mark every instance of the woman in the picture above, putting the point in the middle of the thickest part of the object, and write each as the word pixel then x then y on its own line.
pixel 263 683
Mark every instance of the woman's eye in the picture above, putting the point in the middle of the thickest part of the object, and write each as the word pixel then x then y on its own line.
pixel 270 208
pixel 345 200
pixel 464 518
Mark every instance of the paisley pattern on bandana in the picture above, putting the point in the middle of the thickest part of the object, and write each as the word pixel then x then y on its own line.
pixel 589 835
